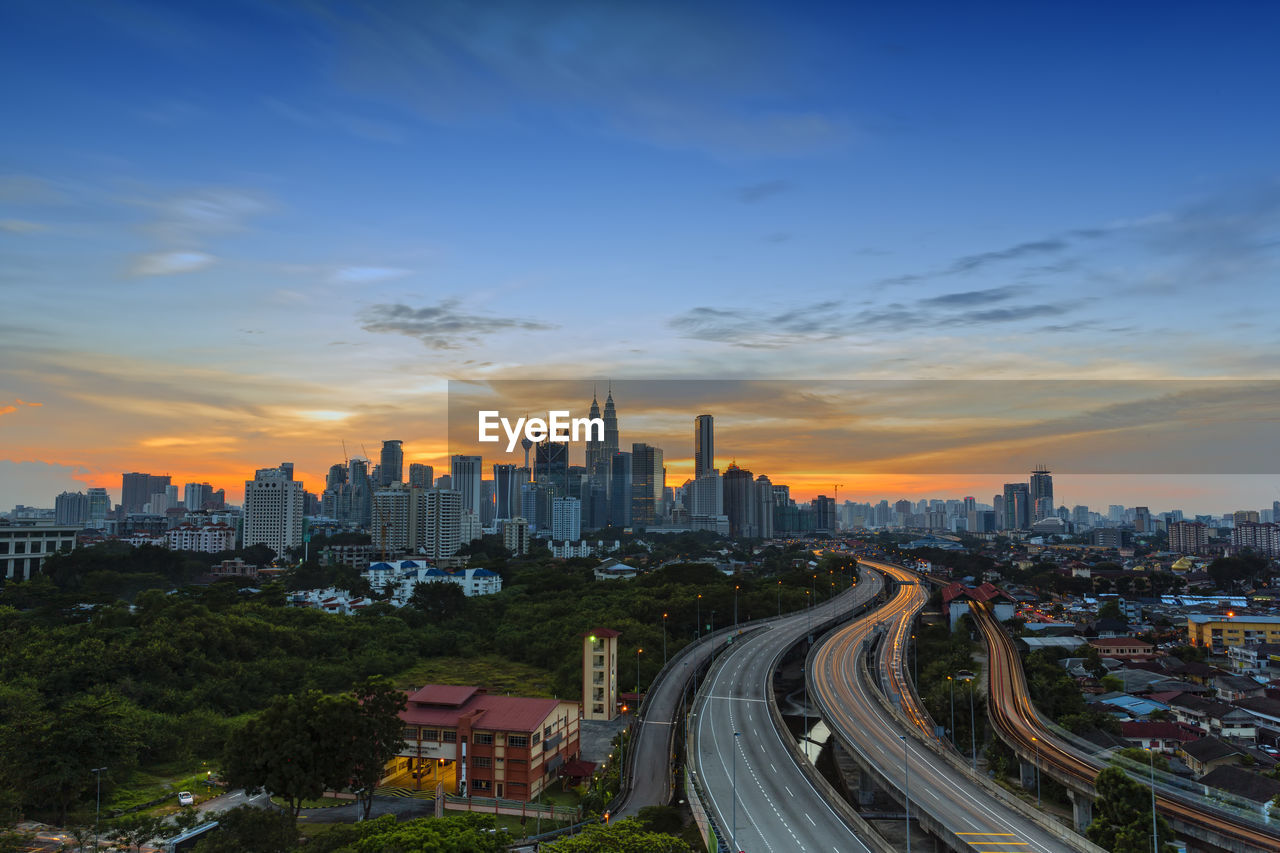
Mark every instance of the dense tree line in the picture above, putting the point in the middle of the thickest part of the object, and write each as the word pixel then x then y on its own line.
pixel 91 680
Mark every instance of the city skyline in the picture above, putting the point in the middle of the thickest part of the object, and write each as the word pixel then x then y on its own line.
pixel 206 259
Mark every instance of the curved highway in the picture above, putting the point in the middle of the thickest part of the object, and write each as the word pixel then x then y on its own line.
pixel 849 707
pixel 1012 712
pixel 776 807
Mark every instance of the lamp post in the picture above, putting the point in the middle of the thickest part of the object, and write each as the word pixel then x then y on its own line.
pixel 1155 831
pixel 915 664
pixel 713 622
pixel 664 639
pixel 906 788
pixel 699 616
pixel 1036 741
pixel 733 834
pixel 735 605
pixel 638 651
pixel 951 682
pixel 97 815
pixel 779 598
pixel 967 676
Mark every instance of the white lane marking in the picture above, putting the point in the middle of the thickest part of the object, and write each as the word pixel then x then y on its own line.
pixel 788 790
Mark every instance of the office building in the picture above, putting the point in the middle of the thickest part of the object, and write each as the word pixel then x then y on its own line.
pixel 1041 489
pixel 648 480
pixel 196 495
pixel 25 545
pixel 1017 506
pixel 764 507
pixel 597 454
pixel 705 496
pixel 1142 520
pixel 391 467
pixel 506 491
pixel 136 490
pixel 737 485
pixel 1245 516
pixel 99 508
pixel 704 445
pixel 824 514
pixel 620 489
pixel 465 473
pixel 273 510
pixel 1218 632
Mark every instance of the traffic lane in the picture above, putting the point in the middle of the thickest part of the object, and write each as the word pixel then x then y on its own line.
pixel 942 791
pixel 777 806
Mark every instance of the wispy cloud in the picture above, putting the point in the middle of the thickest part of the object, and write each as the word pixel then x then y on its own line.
pixel 170 263
pixel 752 193
pixel 21 226
pixel 194 216
pixel 443 326
pixel 367 275
pixel 10 408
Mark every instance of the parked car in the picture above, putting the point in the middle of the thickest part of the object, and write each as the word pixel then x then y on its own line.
pixel 185 798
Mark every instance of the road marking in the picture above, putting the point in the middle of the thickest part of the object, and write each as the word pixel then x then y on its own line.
pixel 806 817
pixel 788 791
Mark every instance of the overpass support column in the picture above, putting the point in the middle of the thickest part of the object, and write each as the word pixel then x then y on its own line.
pixel 1081 810
pixel 866 788
pixel 1027 774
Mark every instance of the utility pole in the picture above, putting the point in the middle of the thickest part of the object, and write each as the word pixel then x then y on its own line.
pixel 97 815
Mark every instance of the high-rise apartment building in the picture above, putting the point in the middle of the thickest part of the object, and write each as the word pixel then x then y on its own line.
pixel 515 535
pixel 421 476
pixel 620 489
pixel 391 520
pixel 273 509
pixel 1188 537
pixel 71 508
pixel 764 507
pixel 704 445
pixel 436 522
pixel 566 519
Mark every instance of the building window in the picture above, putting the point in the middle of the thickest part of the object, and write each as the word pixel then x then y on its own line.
pixel 518 762
pixel 517 740
pixel 483 738
pixel 482 761
pixel 546 731
pixel 431 734
pixel 481 784
pixel 536 737
pixel 598 661
pixel 410 733
pixel 449 737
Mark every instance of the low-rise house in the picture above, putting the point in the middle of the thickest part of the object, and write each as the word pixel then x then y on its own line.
pixel 1208 753
pixel 1214 717
pixel 1161 736
pixel 1229 688
pixel 1122 648
pixel 1257 790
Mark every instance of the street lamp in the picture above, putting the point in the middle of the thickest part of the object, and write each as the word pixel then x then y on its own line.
pixel 638 651
pixel 664 639
pixel 1036 741
pixel 97 815
pixel 951 682
pixel 915 664
pixel 968 676
pixel 733 834
pixel 1155 832
pixel 906 788
pixel 779 598
pixel 699 616
pixel 735 605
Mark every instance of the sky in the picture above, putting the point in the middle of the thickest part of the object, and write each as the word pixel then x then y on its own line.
pixel 234 234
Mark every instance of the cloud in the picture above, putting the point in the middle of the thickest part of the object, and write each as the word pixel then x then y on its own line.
pixel 21 226
pixel 442 326
pixel 192 217
pixel 752 193
pixel 29 189
pixel 817 321
pixel 170 263
pixel 973 297
pixel 10 408
pixel 367 275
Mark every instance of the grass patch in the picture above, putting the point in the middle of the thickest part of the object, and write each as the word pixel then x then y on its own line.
pixel 159 780
pixel 319 803
pixel 496 674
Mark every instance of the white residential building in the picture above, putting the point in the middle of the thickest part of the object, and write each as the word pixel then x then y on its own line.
pixel 273 507
pixel 209 539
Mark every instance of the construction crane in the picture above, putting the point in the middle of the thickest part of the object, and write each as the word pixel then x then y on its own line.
pixel 837 490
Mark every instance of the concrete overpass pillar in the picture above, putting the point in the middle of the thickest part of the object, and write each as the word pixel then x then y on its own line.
pixel 1027 774
pixel 866 788
pixel 1081 810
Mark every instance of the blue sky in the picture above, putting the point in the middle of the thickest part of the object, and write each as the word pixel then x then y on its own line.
pixel 231 232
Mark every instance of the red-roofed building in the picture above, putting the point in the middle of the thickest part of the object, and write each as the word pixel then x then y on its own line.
pixel 958 598
pixel 1123 648
pixel 1161 736
pixel 475 743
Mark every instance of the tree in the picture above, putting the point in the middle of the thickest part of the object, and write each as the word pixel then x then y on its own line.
pixel 249 828
pixel 288 750
pixel 463 833
pixel 371 735
pixel 1110 609
pixel 135 830
pixel 441 600
pixel 623 836
pixel 663 819
pixel 1122 815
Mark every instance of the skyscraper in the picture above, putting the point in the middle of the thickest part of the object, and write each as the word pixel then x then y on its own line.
pixel 195 495
pixel 647 483
pixel 1041 489
pixel 703 445
pixel 359 507
pixel 610 426
pixel 1017 506
pixel 764 507
pixel 620 490
pixel 273 507
pixel 71 508
pixel 99 508
pixel 392 462
pixel 566 519
pixel 597 458
pixel 737 484
pixel 136 489
pixel 551 464
pixel 506 492
pixel 465 478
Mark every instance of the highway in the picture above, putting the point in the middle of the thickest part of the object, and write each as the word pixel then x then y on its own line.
pixel 776 808
pixel 978 820
pixel 1013 713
